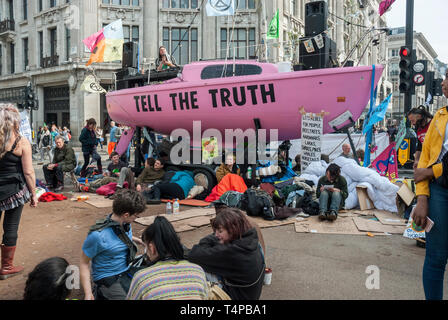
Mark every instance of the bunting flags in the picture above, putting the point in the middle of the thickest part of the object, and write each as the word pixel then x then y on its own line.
pixel 107 44
pixel 319 41
pixel 384 6
pixel 220 8
pixel 273 30
pixel 309 46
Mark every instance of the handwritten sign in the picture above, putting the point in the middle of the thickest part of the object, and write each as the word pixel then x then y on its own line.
pixel 312 130
pixel 25 128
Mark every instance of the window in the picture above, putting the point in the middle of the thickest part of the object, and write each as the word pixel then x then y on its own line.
pixel 25 54
pixel 13 58
pixel 394 52
pixel 41 47
pixel 293 7
pixel 67 43
pixel 245 4
pixel 53 42
pixel 25 9
pixel 40 5
pixel 240 42
pixel 135 3
pixel 213 72
pixel 131 33
pixel 181 44
pixel 180 4
pixel 52 3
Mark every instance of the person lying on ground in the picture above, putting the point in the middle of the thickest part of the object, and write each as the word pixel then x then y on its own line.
pixel 170 277
pixel 331 192
pixel 232 255
pixel 48 280
pixel 117 171
pixel 150 174
pixel 229 167
pixel 64 160
pixel 110 248
pixel 174 185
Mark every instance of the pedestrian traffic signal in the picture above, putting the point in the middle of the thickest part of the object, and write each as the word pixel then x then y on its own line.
pixel 406 82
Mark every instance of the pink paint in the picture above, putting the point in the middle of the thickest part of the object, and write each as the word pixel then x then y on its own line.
pixel 274 98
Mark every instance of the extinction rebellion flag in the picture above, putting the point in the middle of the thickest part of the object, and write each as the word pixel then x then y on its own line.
pixel 220 8
pixel 273 31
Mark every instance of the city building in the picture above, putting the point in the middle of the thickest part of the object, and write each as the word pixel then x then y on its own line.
pixel 424 51
pixel 41 43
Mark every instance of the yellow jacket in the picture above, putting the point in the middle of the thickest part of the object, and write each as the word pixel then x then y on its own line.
pixel 432 147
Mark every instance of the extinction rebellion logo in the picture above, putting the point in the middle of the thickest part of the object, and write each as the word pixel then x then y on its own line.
pixel 221 5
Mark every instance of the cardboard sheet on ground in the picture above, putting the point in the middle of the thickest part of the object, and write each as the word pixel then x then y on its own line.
pixel 270 224
pixel 99 201
pixel 183 215
pixel 340 226
pixel 179 227
pixel 375 226
pixel 191 203
pixel 388 218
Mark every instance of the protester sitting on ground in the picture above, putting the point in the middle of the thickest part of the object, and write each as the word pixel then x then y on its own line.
pixel 110 248
pixel 297 168
pixel 174 185
pixel 117 171
pixel 233 255
pixel 45 144
pixel 88 142
pixel 47 281
pixel 170 277
pixel 64 160
pixel 346 151
pixel 229 167
pixel 420 118
pixel 150 174
pixel 331 192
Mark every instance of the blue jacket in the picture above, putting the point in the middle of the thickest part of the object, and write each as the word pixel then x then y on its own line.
pixel 185 180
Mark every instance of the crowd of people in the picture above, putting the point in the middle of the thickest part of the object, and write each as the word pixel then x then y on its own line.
pixel 232 257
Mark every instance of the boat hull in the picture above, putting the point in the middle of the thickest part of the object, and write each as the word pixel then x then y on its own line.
pixel 234 103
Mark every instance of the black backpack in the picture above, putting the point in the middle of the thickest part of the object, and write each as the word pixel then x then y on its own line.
pixel 258 204
pixel 46 141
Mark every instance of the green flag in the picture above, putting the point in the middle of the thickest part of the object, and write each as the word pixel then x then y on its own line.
pixel 273 31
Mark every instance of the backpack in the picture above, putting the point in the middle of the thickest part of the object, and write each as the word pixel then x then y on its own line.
pixel 257 203
pixel 46 141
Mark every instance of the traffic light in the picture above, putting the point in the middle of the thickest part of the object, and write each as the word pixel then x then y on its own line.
pixel 30 101
pixel 437 87
pixel 406 73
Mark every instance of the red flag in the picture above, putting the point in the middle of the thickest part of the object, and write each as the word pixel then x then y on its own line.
pixel 385 5
pixel 386 163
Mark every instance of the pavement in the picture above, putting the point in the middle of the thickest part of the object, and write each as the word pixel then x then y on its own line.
pixel 318 266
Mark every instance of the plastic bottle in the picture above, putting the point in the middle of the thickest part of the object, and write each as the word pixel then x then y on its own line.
pixel 294 202
pixel 169 208
pixel 249 173
pixel 83 198
pixel 176 209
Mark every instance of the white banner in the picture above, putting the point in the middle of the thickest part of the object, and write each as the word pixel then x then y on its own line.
pixel 25 128
pixel 312 131
pixel 220 8
pixel 319 41
pixel 91 85
pixel 309 46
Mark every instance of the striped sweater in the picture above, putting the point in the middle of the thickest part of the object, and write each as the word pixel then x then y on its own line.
pixel 169 280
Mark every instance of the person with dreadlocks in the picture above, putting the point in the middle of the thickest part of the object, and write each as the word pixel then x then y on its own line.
pixel 420 118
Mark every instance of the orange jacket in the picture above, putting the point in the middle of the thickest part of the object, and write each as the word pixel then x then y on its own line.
pixel 432 147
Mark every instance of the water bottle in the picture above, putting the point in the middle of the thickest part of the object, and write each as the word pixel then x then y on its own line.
pixel 294 202
pixel 249 173
pixel 169 208
pixel 176 209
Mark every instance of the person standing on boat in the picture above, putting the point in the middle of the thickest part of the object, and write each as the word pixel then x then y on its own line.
pixel 164 61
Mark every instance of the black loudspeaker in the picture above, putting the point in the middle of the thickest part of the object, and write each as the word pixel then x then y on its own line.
pixel 320 58
pixel 130 55
pixel 316 15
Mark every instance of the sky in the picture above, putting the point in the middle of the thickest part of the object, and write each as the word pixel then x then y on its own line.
pixel 430 18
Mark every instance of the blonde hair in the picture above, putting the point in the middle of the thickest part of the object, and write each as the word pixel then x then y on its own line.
pixel 9 123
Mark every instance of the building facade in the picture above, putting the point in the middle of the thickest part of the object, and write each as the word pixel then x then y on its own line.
pixel 424 51
pixel 41 43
